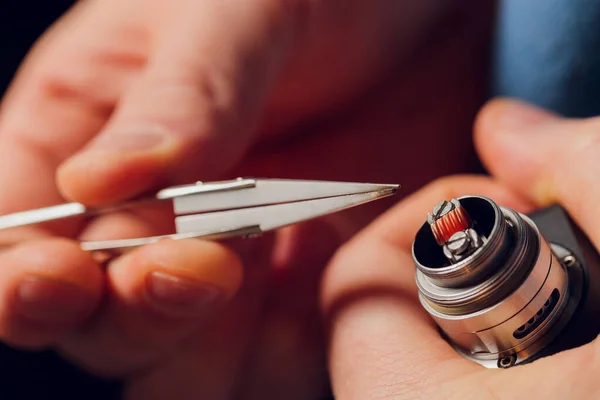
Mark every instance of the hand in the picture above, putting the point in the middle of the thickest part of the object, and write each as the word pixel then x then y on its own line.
pixel 384 345
pixel 123 96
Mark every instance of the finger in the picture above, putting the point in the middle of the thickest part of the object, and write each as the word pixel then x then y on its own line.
pixel 158 294
pixel 47 288
pixel 213 360
pixel 546 158
pixel 577 369
pixel 382 342
pixel 193 111
pixel 60 98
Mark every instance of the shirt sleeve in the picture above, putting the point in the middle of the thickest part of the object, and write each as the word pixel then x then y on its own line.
pixel 548 52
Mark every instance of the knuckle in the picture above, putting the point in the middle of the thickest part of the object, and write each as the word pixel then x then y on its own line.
pixel 335 280
pixel 80 88
pixel 338 260
pixel 357 250
pixel 201 102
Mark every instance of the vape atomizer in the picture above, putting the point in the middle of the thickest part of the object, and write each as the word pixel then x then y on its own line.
pixel 501 293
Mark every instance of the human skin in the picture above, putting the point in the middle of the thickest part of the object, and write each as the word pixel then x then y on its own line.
pixel 122 97
pixel 384 345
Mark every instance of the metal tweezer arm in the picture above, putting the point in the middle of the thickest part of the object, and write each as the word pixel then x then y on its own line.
pixel 218 210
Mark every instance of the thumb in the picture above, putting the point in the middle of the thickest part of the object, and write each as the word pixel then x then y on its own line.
pixel 191 113
pixel 545 157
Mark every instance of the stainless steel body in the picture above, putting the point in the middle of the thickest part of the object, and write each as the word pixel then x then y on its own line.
pixel 513 297
pixel 242 207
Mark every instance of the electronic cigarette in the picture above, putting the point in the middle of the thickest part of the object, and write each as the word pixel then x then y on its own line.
pixel 506 288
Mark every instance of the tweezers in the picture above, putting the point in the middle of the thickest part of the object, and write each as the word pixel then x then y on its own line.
pixel 244 207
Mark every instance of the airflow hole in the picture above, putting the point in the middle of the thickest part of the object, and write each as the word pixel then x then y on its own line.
pixel 539 317
pixel 541 311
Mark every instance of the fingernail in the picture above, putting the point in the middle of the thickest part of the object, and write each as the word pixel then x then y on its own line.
pixel 134 139
pixel 180 296
pixel 519 115
pixel 43 299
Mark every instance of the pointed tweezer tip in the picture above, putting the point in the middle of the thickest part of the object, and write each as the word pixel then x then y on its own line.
pixel 392 186
pixel 369 187
pixel 388 188
pixel 379 190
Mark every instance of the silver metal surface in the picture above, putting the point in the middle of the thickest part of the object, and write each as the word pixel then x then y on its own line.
pixel 42 215
pixel 441 209
pixel 125 244
pixel 205 187
pixel 479 263
pixel 216 210
pixel 69 210
pixel 274 216
pixel 502 304
pixel 489 332
pixel 245 222
pixel 462 244
pixel 459 242
pixel 272 191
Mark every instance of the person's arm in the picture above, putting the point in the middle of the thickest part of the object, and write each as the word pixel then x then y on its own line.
pixel 546 53
pixel 124 96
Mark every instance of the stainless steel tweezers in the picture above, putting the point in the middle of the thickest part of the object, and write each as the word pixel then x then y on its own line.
pixel 244 207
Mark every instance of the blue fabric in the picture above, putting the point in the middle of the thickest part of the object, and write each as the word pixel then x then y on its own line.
pixel 548 53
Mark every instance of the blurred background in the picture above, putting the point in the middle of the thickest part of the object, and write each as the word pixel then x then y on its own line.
pixel 21 23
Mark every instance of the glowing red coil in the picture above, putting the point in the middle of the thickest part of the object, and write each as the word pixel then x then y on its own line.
pixel 455 221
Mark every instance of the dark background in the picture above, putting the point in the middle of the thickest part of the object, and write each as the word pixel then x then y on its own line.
pixel 21 23
pixel 24 375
